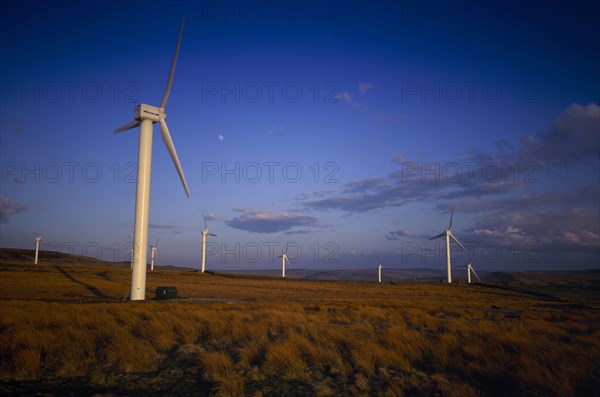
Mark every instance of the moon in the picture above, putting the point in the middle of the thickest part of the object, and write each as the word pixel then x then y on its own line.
pixel 221 137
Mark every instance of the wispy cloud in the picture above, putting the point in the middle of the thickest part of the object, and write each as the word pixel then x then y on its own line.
pixel 583 195
pixel 393 118
pixel 573 229
pixel 574 136
pixel 348 99
pixel 275 129
pixel 9 208
pixel 476 175
pixel 158 226
pixel 213 217
pixel 399 234
pixel 363 87
pixel 263 221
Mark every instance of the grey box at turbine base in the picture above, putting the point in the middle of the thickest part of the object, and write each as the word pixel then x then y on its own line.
pixel 164 293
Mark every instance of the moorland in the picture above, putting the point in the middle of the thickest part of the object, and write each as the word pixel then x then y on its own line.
pixel 66 330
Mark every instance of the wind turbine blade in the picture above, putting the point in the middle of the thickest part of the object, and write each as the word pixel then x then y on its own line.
pixel 285 252
pixel 451 217
pixel 439 235
pixel 457 242
pixel 163 104
pixel 471 262
pixel 288 262
pixel 171 148
pixel 378 261
pixel 128 126
pixel 203 217
pixel 212 234
pixel 156 245
pixel 473 270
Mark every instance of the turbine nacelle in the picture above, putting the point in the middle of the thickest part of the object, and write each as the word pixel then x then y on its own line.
pixel 143 111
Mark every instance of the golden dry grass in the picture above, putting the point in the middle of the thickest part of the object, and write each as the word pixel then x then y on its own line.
pixel 292 337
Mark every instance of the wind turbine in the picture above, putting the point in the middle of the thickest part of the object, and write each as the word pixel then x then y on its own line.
pixel 448 234
pixel 470 269
pixel 379 268
pixel 37 248
pixel 284 259
pixel 144 117
pixel 204 234
pixel 153 253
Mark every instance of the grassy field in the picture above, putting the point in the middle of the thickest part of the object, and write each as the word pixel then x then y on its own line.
pixel 65 330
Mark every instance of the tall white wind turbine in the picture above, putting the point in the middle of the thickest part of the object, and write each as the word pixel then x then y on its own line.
pixel 153 253
pixel 448 234
pixel 37 248
pixel 379 269
pixel 204 234
pixel 144 117
pixel 284 259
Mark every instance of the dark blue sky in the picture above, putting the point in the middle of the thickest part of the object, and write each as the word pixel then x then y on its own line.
pixel 345 129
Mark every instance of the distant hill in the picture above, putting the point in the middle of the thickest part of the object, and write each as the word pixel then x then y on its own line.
pixel 14 255
pixel 589 279
pixel 575 278
pixel 388 275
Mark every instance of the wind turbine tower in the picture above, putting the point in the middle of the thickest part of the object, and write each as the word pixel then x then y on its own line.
pixel 144 118
pixel 204 234
pixel 37 248
pixel 153 253
pixel 448 234
pixel 284 259
pixel 470 269
pixel 379 269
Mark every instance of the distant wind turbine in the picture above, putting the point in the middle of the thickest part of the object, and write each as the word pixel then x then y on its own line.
pixel 144 117
pixel 284 259
pixel 379 269
pixel 153 253
pixel 448 234
pixel 204 234
pixel 470 269
pixel 37 247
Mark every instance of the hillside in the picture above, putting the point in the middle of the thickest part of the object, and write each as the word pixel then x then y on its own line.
pixel 65 331
pixel 588 279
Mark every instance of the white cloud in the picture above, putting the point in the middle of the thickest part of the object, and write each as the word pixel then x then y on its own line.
pixel 263 221
pixel 363 87
pixel 346 98
pixel 213 217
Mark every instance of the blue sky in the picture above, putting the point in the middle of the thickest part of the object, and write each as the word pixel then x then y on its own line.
pixel 343 129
